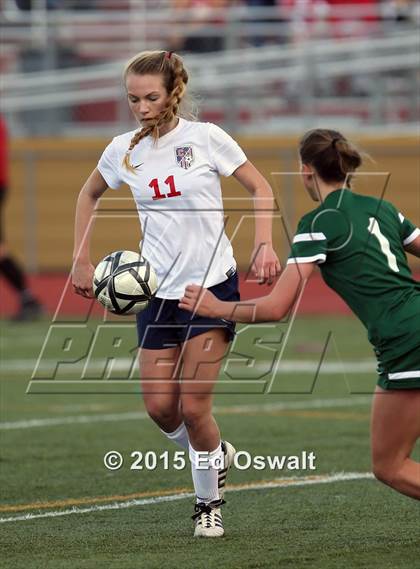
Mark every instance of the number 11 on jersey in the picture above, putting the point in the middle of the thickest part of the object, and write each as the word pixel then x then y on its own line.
pixel 154 184
pixel 384 244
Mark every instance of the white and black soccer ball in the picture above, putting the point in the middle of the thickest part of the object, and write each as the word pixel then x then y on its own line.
pixel 124 282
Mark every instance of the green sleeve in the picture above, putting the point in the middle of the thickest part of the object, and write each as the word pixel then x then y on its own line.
pixel 308 246
pixel 408 230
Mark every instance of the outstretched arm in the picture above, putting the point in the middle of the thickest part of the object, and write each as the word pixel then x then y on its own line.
pixel 264 309
pixel 266 265
pixel 83 269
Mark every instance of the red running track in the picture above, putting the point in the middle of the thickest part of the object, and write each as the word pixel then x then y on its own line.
pixel 52 291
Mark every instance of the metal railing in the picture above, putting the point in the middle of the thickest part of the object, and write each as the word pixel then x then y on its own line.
pixel 141 24
pixel 294 78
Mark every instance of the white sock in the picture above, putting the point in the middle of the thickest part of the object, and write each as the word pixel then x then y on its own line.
pixel 179 436
pixel 205 467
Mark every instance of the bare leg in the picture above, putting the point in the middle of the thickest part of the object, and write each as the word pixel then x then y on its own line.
pixel 395 428
pixel 202 358
pixel 160 386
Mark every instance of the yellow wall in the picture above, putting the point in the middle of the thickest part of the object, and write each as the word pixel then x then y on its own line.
pixel 62 165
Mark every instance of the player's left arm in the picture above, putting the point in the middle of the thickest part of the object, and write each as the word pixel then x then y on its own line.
pixel 266 265
pixel 414 247
pixel 410 235
pixel 264 309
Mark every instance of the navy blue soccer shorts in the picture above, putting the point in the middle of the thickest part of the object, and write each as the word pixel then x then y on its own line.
pixel 163 325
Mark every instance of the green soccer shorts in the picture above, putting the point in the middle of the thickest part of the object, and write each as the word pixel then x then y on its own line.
pixel 399 372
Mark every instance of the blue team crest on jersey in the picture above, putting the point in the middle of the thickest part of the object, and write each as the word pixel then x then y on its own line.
pixel 184 156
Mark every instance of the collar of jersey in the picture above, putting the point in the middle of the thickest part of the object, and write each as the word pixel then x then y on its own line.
pixel 335 193
pixel 164 139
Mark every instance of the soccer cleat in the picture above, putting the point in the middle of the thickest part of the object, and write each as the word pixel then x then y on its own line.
pixel 229 454
pixel 30 310
pixel 208 519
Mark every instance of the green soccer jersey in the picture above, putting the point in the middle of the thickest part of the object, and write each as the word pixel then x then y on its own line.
pixel 358 242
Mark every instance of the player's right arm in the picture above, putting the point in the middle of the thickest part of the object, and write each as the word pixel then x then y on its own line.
pixel 83 269
pixel 268 308
pixel 308 249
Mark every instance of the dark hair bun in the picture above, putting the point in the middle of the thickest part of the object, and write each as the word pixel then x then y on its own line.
pixel 332 156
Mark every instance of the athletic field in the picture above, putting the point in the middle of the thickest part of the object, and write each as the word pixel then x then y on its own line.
pixel 62 508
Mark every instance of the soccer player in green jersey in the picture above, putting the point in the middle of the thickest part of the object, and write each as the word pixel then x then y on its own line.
pixel 360 244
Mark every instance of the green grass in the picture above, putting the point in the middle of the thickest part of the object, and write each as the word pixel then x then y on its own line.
pixel 347 524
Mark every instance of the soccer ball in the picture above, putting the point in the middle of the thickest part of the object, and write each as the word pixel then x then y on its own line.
pixel 124 282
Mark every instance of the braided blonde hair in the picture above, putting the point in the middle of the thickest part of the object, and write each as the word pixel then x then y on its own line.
pixel 175 79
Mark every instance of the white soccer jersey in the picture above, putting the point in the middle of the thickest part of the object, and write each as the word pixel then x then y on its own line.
pixel 176 187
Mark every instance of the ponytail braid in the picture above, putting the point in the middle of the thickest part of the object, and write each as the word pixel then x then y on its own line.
pixel 139 135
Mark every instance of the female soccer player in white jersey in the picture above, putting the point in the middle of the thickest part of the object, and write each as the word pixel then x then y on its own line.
pixel 359 243
pixel 173 167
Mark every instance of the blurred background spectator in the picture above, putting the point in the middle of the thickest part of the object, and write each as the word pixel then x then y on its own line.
pixel 200 17
pixel 267 17
pixel 27 5
pixel 29 307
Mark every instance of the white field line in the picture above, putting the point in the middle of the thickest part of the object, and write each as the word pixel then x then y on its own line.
pixel 126 364
pixel 80 407
pixel 22 341
pixel 349 401
pixel 277 483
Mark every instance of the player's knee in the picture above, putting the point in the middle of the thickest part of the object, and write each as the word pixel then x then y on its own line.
pixel 380 473
pixel 193 415
pixel 384 471
pixel 161 413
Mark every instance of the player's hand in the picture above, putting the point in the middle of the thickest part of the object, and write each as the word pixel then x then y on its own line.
pixel 82 277
pixel 266 265
pixel 200 301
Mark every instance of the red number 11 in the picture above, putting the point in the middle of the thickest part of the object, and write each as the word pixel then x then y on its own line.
pixel 154 184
